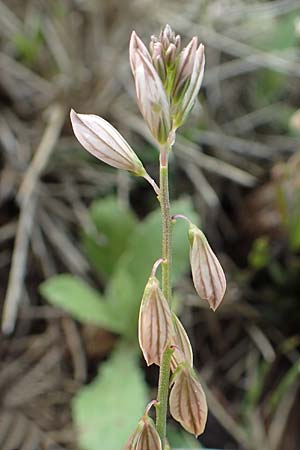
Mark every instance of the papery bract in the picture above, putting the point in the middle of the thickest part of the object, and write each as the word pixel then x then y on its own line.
pixel 183 352
pixel 187 401
pixel 208 275
pixel 103 141
pixel 155 323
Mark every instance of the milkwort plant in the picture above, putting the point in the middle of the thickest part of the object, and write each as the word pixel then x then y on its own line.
pixel 167 81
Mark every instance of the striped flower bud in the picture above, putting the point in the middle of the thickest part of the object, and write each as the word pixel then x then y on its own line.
pixel 188 84
pixel 185 68
pixel 187 401
pixel 155 323
pixel 151 96
pixel 208 276
pixel 145 437
pixel 103 141
pixel 183 352
pixel 137 45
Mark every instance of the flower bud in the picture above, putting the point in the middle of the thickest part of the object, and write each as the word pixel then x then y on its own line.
pixel 136 44
pixel 187 401
pixel 102 140
pixel 170 54
pixel 145 437
pixel 167 36
pixel 151 96
pixel 189 94
pixel 183 352
pixel 185 67
pixel 155 323
pixel 208 276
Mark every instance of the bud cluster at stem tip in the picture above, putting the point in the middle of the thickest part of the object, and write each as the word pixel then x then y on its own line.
pixel 167 80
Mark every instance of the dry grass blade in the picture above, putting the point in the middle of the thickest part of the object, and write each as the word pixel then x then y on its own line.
pixel 28 200
pixel 56 119
pixel 18 266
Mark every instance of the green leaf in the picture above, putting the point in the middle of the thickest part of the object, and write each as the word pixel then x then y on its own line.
pixel 77 298
pixel 114 224
pixel 107 411
pixel 126 287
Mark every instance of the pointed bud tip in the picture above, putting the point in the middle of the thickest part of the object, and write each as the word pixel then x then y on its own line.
pixel 208 275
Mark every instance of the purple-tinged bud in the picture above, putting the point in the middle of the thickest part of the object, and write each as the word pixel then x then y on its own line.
pixel 159 65
pixel 137 44
pixel 103 141
pixel 155 323
pixel 158 60
pixel 178 41
pixel 145 437
pixel 170 56
pixel 208 275
pixel 183 352
pixel 157 50
pixel 185 67
pixel 190 93
pixel 167 36
pixel 151 96
pixel 187 401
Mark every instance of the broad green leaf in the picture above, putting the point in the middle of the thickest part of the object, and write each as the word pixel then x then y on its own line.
pixel 114 224
pixel 79 299
pixel 107 411
pixel 127 284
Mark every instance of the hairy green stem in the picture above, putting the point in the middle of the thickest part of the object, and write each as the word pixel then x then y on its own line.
pixel 163 394
pixel 164 373
pixel 166 227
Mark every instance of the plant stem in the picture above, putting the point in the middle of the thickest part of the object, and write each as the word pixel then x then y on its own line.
pixel 164 373
pixel 163 394
pixel 166 226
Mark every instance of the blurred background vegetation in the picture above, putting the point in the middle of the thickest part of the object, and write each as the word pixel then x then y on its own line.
pixel 77 238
